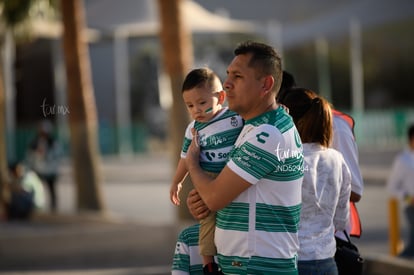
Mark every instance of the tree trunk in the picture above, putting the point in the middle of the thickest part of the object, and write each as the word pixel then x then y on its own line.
pixel 4 178
pixel 82 108
pixel 177 50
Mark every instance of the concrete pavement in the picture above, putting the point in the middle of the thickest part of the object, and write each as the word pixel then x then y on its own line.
pixel 75 244
pixel 138 232
pixel 136 235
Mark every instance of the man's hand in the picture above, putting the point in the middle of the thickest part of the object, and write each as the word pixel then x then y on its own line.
pixel 193 152
pixel 196 205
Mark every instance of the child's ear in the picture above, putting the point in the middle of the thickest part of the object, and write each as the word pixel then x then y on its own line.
pixel 221 97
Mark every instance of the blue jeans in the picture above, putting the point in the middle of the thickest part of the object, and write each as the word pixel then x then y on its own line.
pixel 318 267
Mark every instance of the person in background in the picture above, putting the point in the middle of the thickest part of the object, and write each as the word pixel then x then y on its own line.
pixel 400 185
pixel 257 200
pixel 218 129
pixel 187 259
pixel 43 157
pixel 326 184
pixel 27 193
pixel 288 81
pixel 344 141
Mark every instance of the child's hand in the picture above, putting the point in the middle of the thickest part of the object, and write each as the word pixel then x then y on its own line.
pixel 175 192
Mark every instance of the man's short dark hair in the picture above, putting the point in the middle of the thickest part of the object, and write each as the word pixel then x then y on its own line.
pixel 264 59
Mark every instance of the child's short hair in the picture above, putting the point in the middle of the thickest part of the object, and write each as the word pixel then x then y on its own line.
pixel 200 77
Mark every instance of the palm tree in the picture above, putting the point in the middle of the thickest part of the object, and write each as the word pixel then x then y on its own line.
pixel 3 153
pixel 12 14
pixel 177 49
pixel 81 103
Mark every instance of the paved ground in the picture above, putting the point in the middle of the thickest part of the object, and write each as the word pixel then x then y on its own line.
pixel 135 236
pixel 138 232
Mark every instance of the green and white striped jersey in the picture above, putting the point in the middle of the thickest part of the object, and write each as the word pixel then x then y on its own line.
pixel 216 139
pixel 187 259
pixel 257 233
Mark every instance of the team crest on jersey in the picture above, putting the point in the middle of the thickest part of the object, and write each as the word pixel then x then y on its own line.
pixel 234 122
pixel 202 140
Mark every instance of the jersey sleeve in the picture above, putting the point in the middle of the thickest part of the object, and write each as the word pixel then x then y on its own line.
pixel 187 259
pixel 188 136
pixel 256 152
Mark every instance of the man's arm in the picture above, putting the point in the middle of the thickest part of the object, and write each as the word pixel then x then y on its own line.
pixel 216 193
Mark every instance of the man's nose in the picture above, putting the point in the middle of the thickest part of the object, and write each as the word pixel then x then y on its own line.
pixel 226 85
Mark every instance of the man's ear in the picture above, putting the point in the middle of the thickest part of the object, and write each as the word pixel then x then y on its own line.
pixel 268 83
pixel 221 97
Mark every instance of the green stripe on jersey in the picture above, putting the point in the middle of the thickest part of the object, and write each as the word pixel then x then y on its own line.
pixel 235 216
pixel 189 236
pixel 196 269
pixel 187 251
pixel 266 164
pixel 201 125
pixel 181 262
pixel 274 218
pixel 186 144
pixel 281 120
pixel 269 218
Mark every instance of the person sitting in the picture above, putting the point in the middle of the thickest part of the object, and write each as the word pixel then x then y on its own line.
pixel 26 192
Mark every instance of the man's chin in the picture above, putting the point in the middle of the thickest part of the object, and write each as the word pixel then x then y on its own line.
pixel 232 107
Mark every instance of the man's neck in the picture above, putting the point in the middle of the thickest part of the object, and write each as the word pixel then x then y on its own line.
pixel 261 109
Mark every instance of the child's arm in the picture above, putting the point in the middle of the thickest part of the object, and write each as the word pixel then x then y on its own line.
pixel 180 174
